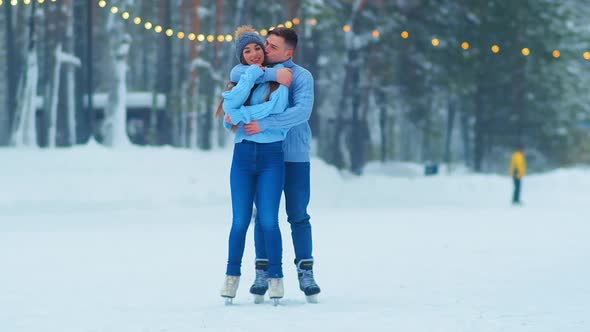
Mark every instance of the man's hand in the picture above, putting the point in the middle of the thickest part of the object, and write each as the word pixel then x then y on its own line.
pixel 252 128
pixel 285 76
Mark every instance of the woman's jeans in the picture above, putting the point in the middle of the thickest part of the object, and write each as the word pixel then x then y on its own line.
pixel 257 173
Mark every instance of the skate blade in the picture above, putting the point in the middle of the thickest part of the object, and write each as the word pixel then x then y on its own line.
pixel 312 298
pixel 275 301
pixel 258 299
pixel 229 300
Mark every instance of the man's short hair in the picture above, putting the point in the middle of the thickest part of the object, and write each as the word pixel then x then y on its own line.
pixel 288 34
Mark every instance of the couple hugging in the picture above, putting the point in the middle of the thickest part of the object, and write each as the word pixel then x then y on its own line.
pixel 267 105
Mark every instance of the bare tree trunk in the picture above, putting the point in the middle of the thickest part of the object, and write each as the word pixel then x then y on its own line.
pixel 54 96
pixel 11 72
pixel 4 107
pixel 518 96
pixel 451 111
pixel 479 131
pixel 383 122
pixel 25 125
pixel 465 138
pixel 70 76
pixel 194 81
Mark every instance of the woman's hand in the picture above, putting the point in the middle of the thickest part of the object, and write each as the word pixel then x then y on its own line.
pixel 228 119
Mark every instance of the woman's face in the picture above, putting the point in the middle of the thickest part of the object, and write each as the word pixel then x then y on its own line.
pixel 253 54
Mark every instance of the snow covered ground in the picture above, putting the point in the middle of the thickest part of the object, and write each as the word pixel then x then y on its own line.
pixel 136 240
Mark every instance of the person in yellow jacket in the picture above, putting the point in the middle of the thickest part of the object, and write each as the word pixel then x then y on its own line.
pixel 517 171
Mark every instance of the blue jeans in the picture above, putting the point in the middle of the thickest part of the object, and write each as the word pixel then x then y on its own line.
pixel 257 171
pixel 297 193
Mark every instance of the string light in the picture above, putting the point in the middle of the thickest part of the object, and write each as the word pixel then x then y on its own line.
pixel 264 32
pixel 192 36
pixel 526 51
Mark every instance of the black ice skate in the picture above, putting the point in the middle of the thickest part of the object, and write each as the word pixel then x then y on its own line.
pixel 307 283
pixel 260 285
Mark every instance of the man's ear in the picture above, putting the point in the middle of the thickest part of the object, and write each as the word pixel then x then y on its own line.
pixel 290 53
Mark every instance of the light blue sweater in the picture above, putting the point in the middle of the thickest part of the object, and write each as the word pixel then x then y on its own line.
pixel 259 108
pixel 297 144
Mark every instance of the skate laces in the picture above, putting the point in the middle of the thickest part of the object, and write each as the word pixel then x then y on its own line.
pixel 306 279
pixel 261 278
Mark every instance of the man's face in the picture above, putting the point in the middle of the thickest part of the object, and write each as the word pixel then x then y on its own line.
pixel 277 50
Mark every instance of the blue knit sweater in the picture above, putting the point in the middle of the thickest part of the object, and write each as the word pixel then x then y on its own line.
pixel 259 108
pixel 297 144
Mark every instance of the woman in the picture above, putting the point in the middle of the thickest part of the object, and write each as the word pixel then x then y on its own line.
pixel 257 171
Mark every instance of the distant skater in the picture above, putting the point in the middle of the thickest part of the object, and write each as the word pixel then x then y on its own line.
pixel 517 171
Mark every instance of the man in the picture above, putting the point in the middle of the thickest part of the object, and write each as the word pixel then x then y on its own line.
pixel 517 171
pixel 280 46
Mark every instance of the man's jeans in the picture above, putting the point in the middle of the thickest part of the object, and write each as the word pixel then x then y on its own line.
pixel 297 194
pixel 257 171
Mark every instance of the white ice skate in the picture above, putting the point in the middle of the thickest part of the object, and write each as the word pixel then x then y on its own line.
pixel 229 289
pixel 275 289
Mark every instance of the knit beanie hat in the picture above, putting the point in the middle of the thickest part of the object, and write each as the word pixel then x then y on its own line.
pixel 245 35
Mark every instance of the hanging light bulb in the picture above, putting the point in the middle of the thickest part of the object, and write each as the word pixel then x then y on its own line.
pixel 526 51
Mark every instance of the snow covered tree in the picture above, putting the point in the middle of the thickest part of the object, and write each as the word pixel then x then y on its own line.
pixel 115 123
